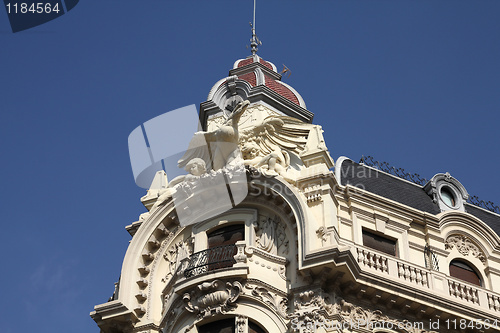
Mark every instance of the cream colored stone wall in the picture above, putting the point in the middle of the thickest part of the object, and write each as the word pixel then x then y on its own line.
pixel 303 259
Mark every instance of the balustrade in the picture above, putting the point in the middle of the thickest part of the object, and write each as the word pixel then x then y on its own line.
pixel 463 291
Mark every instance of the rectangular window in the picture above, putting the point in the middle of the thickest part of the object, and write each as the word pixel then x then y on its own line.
pixel 221 248
pixel 380 243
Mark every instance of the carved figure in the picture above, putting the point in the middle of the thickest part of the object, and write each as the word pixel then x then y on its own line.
pixel 222 143
pixel 267 146
pixel 274 163
pixel 196 167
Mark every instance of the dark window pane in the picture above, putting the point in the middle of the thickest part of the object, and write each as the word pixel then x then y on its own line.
pixel 462 271
pixel 220 326
pixel 219 254
pixel 227 235
pixel 254 328
pixel 380 243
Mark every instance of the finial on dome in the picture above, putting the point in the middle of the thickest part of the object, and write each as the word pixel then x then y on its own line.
pixel 255 42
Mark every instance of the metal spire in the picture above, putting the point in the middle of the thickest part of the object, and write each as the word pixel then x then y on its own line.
pixel 255 41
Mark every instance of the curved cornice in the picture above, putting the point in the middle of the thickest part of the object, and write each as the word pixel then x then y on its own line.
pixel 471 223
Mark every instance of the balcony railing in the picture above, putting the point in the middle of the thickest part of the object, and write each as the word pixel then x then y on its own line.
pixel 210 259
pixel 426 279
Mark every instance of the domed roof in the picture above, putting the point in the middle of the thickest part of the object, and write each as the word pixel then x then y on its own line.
pixel 256 80
pixel 256 71
pixel 272 82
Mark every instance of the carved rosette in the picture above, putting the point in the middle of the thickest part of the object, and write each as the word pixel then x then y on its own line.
pixel 210 298
pixel 465 246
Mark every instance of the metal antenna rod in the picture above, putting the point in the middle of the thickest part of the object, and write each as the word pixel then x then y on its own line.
pixel 253 25
pixel 255 41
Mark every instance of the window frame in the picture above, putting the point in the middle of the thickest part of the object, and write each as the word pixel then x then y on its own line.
pixel 377 237
pixel 468 267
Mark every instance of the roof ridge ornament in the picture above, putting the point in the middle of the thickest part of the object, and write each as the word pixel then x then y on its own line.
pixel 255 42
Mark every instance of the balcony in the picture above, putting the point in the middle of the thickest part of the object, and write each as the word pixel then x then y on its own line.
pixel 210 259
pixel 218 262
pixel 426 280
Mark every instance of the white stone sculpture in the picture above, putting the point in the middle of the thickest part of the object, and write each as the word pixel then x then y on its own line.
pixel 196 167
pixel 266 146
pixel 274 163
pixel 221 144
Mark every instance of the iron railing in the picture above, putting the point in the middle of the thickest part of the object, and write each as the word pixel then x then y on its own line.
pixel 431 260
pixel 474 200
pixel 398 172
pixel 210 259
pixel 417 179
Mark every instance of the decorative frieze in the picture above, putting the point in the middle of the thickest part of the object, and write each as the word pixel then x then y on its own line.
pixel 315 308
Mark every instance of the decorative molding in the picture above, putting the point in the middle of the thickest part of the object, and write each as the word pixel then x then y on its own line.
pixel 169 236
pixel 280 261
pixel 315 306
pixel 175 256
pixel 241 324
pixel 322 234
pixel 465 246
pixel 211 298
pixel 273 299
pixel 175 310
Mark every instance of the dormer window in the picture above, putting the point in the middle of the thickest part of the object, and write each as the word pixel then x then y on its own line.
pixel 447 192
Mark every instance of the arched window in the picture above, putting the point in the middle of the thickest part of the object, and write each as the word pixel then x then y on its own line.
pixel 463 271
pixel 228 326
pixel 219 326
pixel 254 328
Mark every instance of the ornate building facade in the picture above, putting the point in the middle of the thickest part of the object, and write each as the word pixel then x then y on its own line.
pixel 313 246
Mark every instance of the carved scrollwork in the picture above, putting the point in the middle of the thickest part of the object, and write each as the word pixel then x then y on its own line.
pixel 465 246
pixel 322 234
pixel 315 306
pixel 210 298
pixel 269 297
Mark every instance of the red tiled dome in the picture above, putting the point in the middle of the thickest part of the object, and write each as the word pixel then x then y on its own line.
pixel 257 71
pixel 281 89
pixel 250 78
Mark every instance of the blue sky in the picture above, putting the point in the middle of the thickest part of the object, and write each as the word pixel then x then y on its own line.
pixel 414 83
